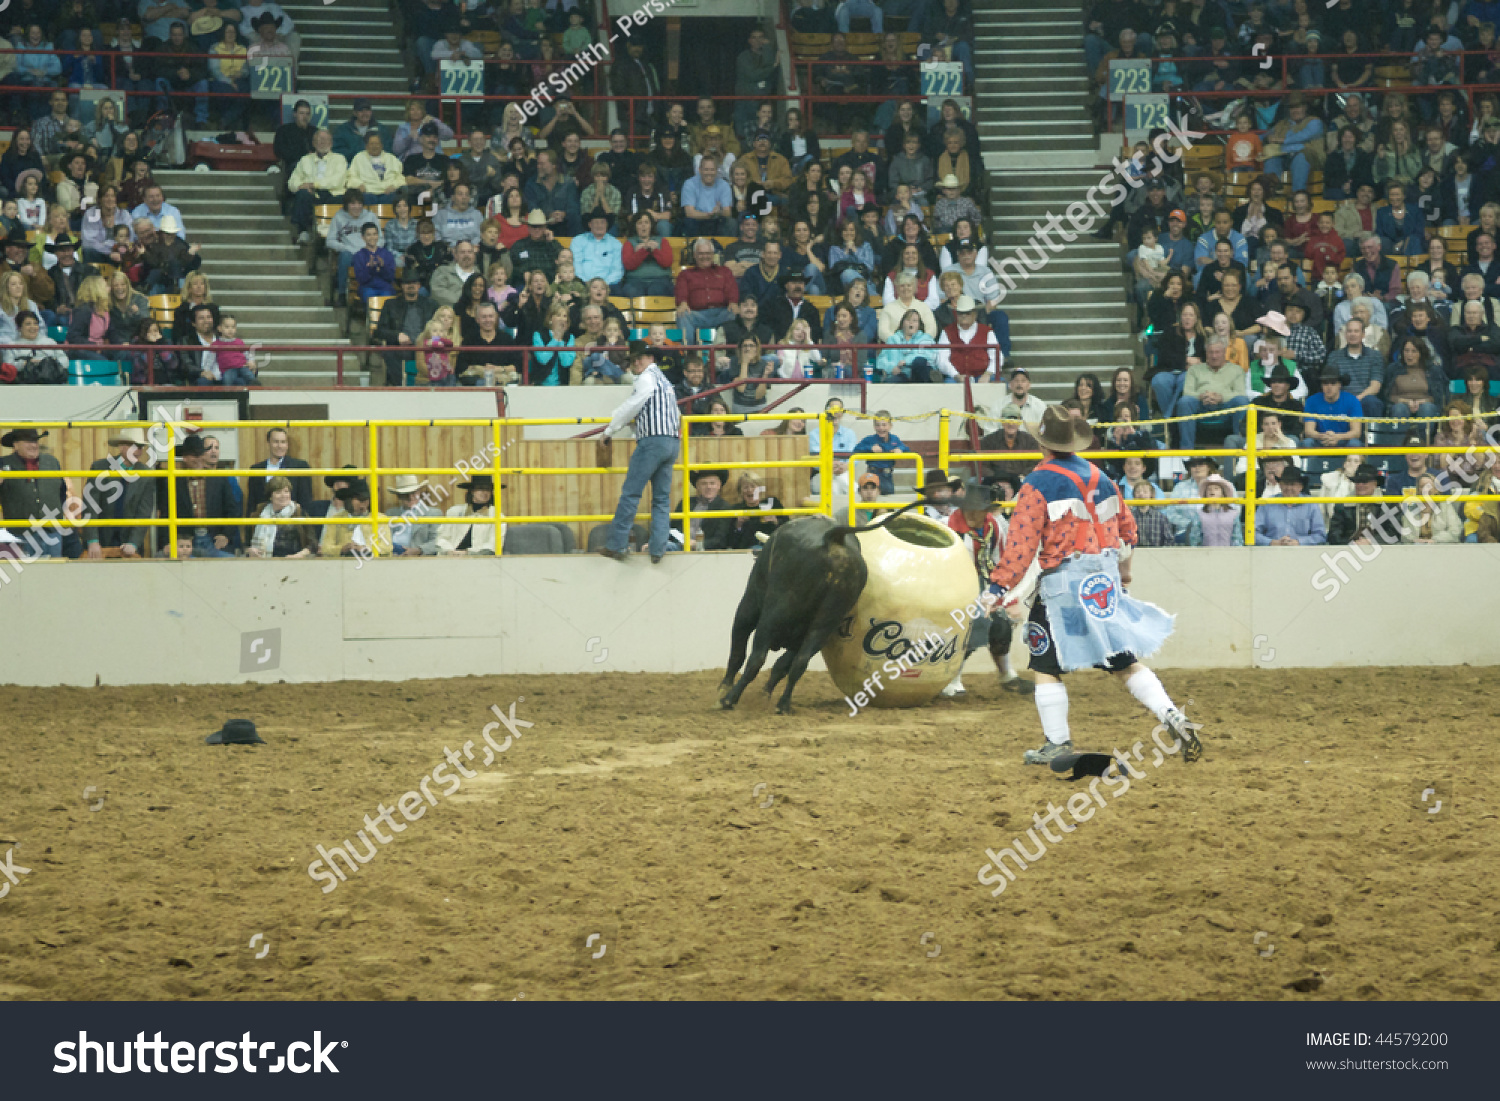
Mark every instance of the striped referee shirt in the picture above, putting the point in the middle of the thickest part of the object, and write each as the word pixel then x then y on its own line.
pixel 652 407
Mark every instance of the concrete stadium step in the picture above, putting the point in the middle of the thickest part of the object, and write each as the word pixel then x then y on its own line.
pixel 254 253
pixel 350 50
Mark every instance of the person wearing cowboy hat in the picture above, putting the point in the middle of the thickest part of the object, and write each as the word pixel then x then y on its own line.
pixel 352 540
pixel 477 535
pixel 68 275
pixel 780 310
pixel 1182 517
pixel 1330 400
pixel 281 540
pixel 402 320
pixel 536 252
pixel 651 410
pixel 1299 524
pixel 1374 523
pixel 596 254
pixel 121 498
pixel 408 538
pixel 38 279
pixel 1070 519
pixel 968 348
pixel 952 205
pixel 708 487
pixel 40 500
pixel 937 492
pixel 201 499
pixel 982 531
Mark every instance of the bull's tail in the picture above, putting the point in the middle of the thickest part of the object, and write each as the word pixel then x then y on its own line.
pixel 837 534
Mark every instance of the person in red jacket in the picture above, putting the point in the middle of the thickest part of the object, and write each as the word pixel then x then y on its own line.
pixel 983 534
pixel 1072 519
pixel 647 257
pixel 968 348
pixel 707 293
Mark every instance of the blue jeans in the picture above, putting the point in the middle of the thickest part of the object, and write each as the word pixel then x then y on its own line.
pixel 1424 409
pixel 1374 407
pixel 203 547
pixel 650 462
pixel 1187 405
pixel 694 320
pixel 633 287
pixel 240 376
pixel 200 100
pixel 1167 386
pixel 1301 169
pixel 854 9
pixel 233 111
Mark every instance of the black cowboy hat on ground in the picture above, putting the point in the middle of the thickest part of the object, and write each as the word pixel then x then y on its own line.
pixel 235 732
pixel 937 478
pixel 28 434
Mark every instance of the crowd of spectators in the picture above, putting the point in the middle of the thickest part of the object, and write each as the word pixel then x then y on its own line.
pixel 786 255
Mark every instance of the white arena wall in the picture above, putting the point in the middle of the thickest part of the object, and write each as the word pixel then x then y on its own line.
pixel 171 623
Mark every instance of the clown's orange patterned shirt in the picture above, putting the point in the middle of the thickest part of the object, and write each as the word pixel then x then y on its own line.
pixel 1051 516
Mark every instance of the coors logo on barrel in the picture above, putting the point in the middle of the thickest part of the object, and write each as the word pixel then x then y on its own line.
pixel 887 639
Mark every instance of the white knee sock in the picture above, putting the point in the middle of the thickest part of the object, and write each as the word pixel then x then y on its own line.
pixel 1005 670
pixel 1145 687
pixel 1052 706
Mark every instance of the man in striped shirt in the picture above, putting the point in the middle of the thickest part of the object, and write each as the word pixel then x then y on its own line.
pixel 652 410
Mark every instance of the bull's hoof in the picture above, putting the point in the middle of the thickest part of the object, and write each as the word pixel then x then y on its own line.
pixel 725 704
pixel 783 709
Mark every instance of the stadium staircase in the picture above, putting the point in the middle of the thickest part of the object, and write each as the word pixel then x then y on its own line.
pixel 350 48
pixel 1040 152
pixel 257 274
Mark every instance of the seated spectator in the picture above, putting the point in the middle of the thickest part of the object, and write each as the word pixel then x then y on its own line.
pixel 351 540
pixel 954 162
pixel 449 280
pixel 798 359
pixel 1363 523
pixel 37 362
pixel 281 540
pixel 968 348
pixel 346 237
pixel 1417 384
pixel 402 321
pixel 1320 428
pixel 180 69
pixel 1426 517
pixel 349 140
pixel 127 306
pixel 780 310
pixel 31 208
pixel 228 68
pixel 1458 431
pixel 99 224
pixel 912 364
pixel 1219 525
pixel 952 205
pixel 719 429
pixel 554 195
pixel 882 441
pixel 375 174
pixel 1214 384
pixel 1293 525
pixel 68 276
pixel 91 321
pixel 318 179
pixel 551 365
pixel 407 140
pixel 1475 340
pixel 458 221
pixel 202 499
pixel 597 255
pixel 435 348
pixel 707 202
pixel 601 194
pixel 374 266
pixel 707 294
pixel 428 254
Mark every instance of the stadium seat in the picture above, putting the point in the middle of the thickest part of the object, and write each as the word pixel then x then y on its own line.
pixel 565 531
pixel 651 309
pixel 532 539
pixel 164 306
pixel 599 535
pixel 93 372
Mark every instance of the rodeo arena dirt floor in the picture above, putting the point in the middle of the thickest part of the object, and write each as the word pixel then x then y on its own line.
pixel 1337 840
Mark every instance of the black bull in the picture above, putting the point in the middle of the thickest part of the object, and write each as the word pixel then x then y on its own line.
pixel 806 580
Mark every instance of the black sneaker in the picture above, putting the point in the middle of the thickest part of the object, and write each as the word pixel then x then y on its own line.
pixel 618 556
pixel 1178 723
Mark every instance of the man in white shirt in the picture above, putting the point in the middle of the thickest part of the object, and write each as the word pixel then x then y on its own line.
pixel 318 179
pixel 652 410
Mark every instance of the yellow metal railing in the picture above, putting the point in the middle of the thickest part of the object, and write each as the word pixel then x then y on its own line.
pixel 822 462
pixel 1252 455
pixel 373 471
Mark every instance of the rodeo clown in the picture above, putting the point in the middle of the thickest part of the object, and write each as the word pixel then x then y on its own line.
pixel 1071 517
